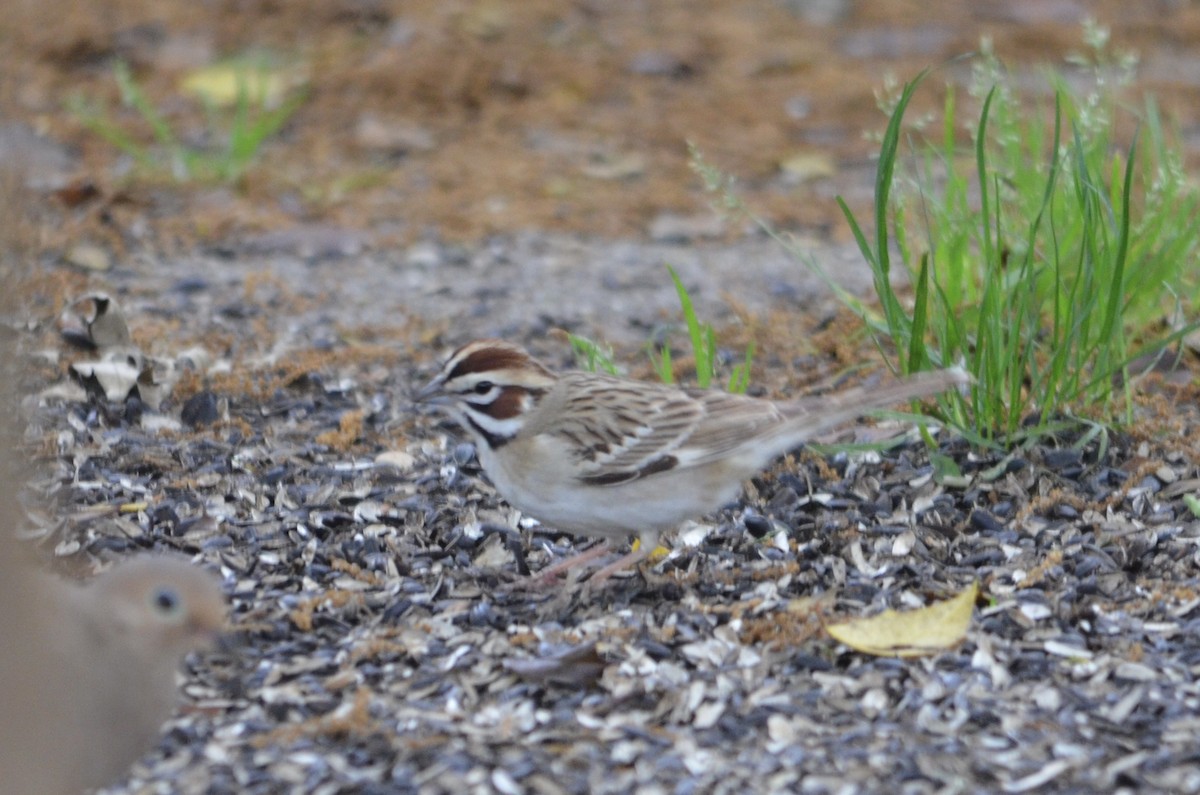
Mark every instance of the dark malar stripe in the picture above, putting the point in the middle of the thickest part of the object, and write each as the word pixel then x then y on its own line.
pixel 494 441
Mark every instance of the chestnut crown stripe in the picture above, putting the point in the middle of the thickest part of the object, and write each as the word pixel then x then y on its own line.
pixel 490 359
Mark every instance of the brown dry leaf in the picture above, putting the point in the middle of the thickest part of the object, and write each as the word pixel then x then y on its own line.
pixel 911 633
pixel 94 321
pixel 616 167
pixel 580 666
pixel 97 321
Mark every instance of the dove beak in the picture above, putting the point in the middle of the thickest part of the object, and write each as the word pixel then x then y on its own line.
pixel 213 632
pixel 226 642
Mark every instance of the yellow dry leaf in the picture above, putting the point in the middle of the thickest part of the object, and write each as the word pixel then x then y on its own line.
pixel 911 633
pixel 806 166
pixel 227 83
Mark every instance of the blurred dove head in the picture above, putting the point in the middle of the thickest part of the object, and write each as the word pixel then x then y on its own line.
pixel 93 671
pixel 162 605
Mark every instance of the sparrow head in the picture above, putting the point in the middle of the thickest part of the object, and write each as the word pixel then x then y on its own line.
pixel 488 386
pixel 166 604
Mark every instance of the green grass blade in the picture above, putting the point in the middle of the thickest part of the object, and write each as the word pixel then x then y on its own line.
pixel 918 358
pixel 1116 293
pixel 695 333
pixel 589 355
pixel 739 379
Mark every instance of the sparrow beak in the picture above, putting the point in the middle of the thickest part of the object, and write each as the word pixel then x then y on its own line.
pixel 431 393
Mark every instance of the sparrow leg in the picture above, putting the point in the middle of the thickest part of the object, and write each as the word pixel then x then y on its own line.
pixel 550 573
pixel 647 544
pixel 628 561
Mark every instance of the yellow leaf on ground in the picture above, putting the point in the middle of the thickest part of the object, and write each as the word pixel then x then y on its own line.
pixel 230 82
pixel 806 166
pixel 911 633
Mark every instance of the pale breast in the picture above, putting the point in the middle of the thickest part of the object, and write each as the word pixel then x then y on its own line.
pixel 553 495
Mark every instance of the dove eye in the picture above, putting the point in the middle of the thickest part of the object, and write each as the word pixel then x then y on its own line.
pixel 483 387
pixel 166 602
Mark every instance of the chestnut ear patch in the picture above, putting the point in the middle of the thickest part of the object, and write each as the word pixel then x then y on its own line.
pixel 508 404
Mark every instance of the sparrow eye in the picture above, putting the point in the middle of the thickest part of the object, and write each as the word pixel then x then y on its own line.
pixel 483 387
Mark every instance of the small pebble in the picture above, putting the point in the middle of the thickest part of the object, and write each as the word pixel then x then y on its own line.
pixel 200 409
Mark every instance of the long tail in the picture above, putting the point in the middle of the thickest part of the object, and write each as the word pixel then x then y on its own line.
pixel 810 416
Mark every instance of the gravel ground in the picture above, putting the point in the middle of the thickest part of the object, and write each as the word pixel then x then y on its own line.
pixel 384 645
pixel 371 568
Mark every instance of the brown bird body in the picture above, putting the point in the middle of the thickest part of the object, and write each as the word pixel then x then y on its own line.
pixel 597 455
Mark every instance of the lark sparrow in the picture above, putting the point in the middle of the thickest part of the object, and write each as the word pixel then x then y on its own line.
pixel 597 455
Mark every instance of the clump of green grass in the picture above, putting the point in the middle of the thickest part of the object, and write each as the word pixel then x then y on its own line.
pixel 592 356
pixel 704 348
pixel 1044 264
pixel 235 134
pixel 1041 257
